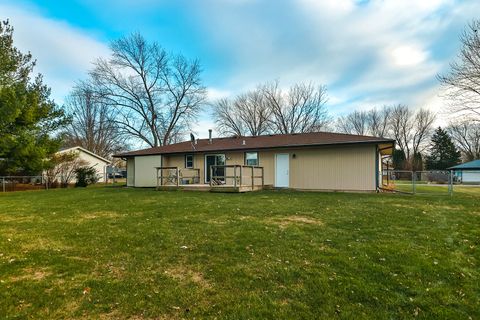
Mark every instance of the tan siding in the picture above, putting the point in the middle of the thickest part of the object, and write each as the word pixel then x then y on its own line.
pixel 145 173
pixel 324 168
pixel 334 168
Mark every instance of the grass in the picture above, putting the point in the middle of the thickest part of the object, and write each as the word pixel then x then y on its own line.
pixel 116 253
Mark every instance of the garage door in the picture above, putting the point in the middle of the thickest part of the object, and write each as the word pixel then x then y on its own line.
pixel 471 176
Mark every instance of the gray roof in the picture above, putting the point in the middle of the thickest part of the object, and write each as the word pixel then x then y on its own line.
pixel 475 164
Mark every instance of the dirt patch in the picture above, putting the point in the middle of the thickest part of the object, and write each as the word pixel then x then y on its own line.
pixel 31 274
pixel 183 274
pixel 295 220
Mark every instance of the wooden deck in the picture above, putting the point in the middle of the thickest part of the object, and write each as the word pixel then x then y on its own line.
pixel 208 188
pixel 224 178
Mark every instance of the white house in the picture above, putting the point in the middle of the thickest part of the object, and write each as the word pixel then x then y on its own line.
pixel 90 159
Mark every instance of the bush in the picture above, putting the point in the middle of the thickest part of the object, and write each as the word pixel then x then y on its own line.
pixel 85 176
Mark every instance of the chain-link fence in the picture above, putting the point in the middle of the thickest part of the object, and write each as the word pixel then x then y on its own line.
pixel 22 183
pixel 435 182
pixel 43 182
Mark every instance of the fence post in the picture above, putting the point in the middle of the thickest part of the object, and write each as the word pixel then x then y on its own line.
pixel 414 178
pixel 3 184
pixel 450 183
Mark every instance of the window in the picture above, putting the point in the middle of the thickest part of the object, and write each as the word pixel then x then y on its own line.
pixel 251 158
pixel 189 161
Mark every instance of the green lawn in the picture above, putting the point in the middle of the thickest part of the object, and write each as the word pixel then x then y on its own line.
pixel 115 253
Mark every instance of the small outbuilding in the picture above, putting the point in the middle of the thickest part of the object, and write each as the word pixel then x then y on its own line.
pixel 468 172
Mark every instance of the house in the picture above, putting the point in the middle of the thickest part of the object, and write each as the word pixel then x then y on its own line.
pixel 309 161
pixel 87 158
pixel 468 172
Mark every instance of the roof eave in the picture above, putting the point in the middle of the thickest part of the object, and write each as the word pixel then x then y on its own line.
pixel 258 148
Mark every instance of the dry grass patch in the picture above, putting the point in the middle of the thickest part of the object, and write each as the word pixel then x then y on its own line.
pixel 185 275
pixel 100 214
pixel 42 243
pixel 287 221
pixel 31 274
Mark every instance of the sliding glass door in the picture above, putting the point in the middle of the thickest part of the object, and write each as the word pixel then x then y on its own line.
pixel 214 160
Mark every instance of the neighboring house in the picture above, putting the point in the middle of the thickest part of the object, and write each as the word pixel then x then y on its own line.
pixel 90 159
pixel 468 172
pixel 310 161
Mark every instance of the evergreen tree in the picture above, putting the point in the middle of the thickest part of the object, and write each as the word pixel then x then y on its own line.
pixel 398 159
pixel 443 153
pixel 28 116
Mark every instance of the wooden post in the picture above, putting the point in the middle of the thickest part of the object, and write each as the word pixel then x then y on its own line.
pixel 263 179
pixel 178 177
pixel 211 176
pixel 241 169
pixel 3 183
pixel 161 176
pixel 234 176
pixel 253 177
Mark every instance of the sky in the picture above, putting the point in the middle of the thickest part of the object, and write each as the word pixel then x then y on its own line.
pixel 368 53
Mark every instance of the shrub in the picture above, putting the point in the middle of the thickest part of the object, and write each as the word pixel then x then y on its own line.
pixel 85 176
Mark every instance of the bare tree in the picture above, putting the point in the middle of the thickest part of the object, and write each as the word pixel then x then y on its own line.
pixel 379 121
pixel 93 124
pixel 374 122
pixel 466 135
pixel 156 95
pixel 411 130
pixel 246 114
pixel 300 109
pixel 463 81
pixel 353 123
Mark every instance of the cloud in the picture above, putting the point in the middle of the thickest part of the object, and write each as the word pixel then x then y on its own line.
pixel 366 52
pixel 63 52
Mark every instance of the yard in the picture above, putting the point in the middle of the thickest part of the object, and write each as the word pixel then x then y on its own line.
pixel 114 253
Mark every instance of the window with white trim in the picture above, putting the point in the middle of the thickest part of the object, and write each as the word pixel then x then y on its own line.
pixel 251 158
pixel 189 161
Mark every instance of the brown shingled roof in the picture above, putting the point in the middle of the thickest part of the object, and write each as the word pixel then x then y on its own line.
pixel 259 142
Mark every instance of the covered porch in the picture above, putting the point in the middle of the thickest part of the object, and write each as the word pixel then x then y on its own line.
pixel 221 178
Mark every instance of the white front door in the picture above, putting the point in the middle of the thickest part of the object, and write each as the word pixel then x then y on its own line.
pixel 281 170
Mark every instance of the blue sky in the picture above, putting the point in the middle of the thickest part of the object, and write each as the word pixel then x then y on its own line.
pixel 367 52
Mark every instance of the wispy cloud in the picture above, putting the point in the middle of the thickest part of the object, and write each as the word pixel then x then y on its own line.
pixel 63 53
pixel 367 52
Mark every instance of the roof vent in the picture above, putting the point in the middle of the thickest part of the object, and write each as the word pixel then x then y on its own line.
pixel 210 136
pixel 243 143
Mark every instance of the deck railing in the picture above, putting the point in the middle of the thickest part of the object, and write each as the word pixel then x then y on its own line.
pixel 237 176
pixel 173 176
